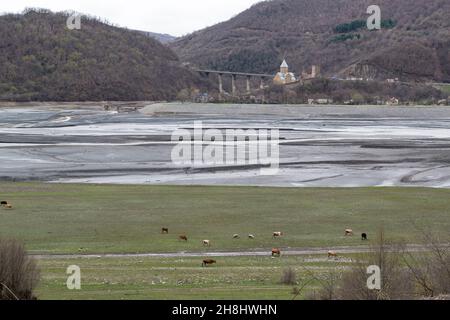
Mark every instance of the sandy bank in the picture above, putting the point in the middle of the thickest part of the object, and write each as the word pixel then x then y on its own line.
pixel 302 111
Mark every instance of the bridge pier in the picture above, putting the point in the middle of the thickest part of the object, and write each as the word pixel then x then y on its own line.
pixel 261 85
pixel 220 83
pixel 233 85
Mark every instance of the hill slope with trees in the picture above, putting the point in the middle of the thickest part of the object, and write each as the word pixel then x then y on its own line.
pixel 413 44
pixel 41 59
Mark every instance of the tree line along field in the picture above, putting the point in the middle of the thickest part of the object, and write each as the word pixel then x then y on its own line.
pixel 74 219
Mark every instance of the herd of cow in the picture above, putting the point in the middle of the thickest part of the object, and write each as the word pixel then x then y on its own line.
pixel 6 205
pixel 207 243
pixel 275 251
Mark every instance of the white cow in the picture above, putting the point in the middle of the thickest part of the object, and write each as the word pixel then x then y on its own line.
pixel 348 232
pixel 277 234
pixel 206 243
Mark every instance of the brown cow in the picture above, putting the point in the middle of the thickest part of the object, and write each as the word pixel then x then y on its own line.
pixel 8 206
pixel 208 262
pixel 165 230
pixel 183 237
pixel 332 254
pixel 276 252
pixel 348 232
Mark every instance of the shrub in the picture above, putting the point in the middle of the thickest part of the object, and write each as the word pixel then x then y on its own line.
pixel 349 27
pixel 19 274
pixel 361 24
pixel 345 37
pixel 289 277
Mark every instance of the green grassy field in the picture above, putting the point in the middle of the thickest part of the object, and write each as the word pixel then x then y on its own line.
pixel 55 218
pixel 234 278
pixel 445 88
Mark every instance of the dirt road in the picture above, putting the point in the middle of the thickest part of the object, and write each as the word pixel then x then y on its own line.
pixel 252 253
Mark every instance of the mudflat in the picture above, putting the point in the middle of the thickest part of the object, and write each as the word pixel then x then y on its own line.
pixel 320 146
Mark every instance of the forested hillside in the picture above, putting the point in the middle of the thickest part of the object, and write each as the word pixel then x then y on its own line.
pixel 41 59
pixel 412 45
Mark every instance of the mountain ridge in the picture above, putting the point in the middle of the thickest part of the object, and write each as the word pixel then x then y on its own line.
pixel 164 38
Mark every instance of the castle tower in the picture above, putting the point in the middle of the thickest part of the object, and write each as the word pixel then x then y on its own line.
pixel 315 72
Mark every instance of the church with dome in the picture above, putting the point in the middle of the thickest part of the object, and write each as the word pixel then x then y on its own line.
pixel 284 76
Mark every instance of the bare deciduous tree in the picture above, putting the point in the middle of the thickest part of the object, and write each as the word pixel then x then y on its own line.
pixel 395 279
pixel 329 284
pixel 406 273
pixel 431 269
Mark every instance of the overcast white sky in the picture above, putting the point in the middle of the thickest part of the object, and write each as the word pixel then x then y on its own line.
pixel 176 17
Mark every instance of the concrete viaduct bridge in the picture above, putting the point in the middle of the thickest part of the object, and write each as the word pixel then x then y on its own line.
pixel 234 76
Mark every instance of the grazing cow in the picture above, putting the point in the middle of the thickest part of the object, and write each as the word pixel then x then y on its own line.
pixel 348 232
pixel 277 234
pixel 236 236
pixel 8 206
pixel 276 252
pixel 332 254
pixel 250 236
pixel 364 236
pixel 207 243
pixel 165 230
pixel 3 203
pixel 183 237
pixel 208 262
